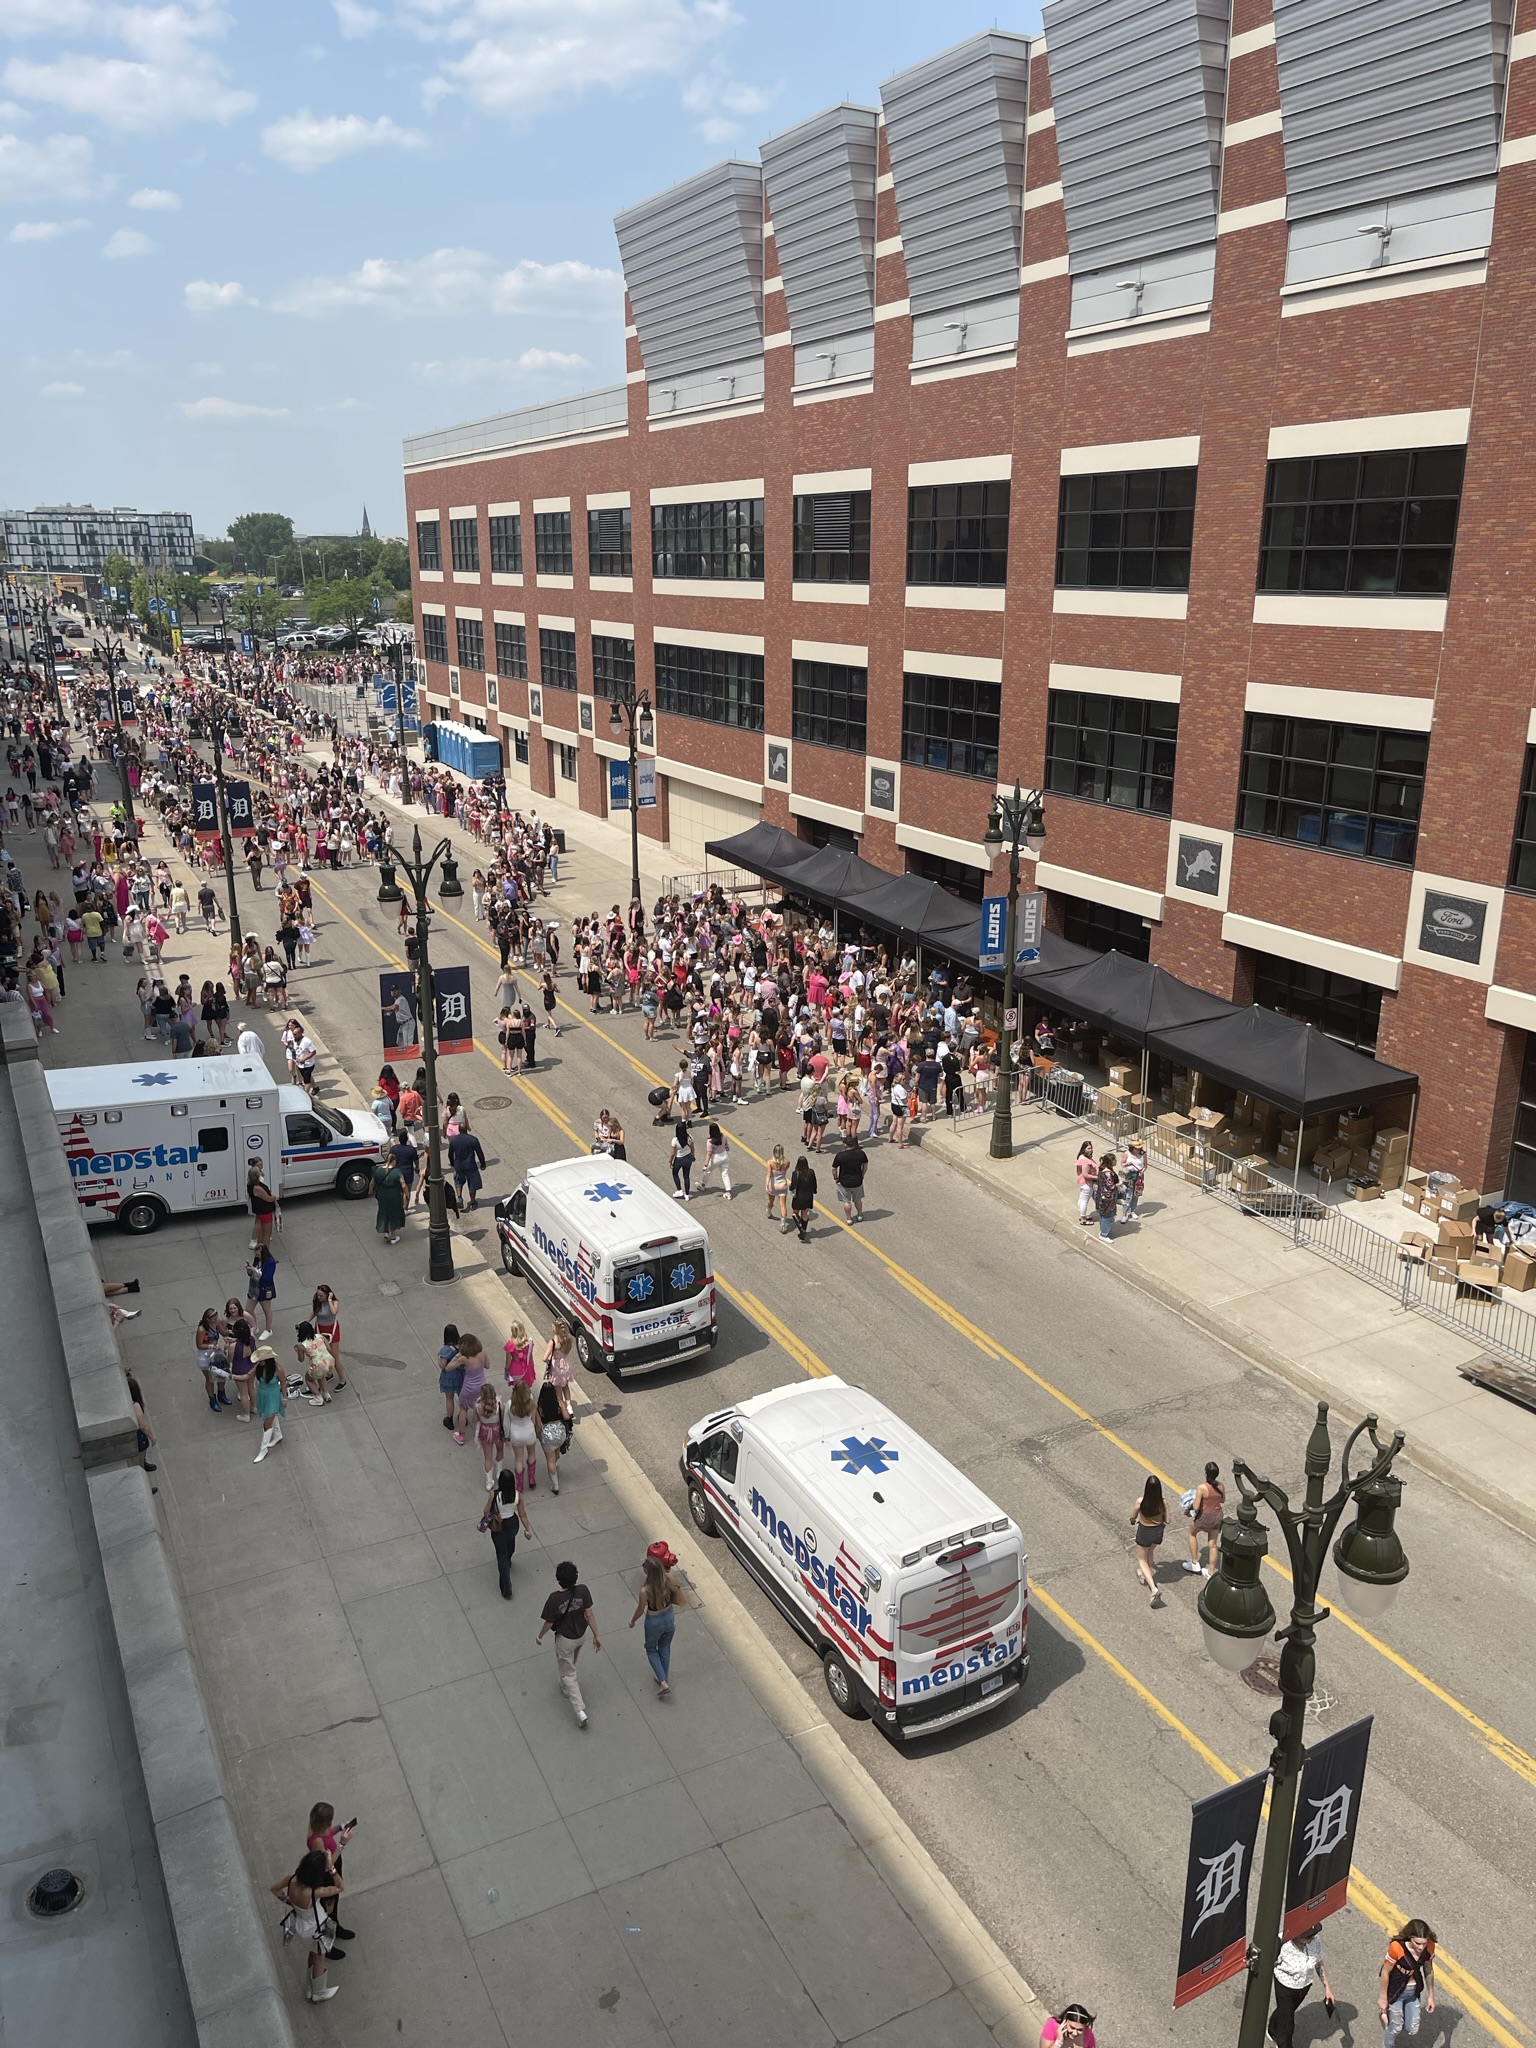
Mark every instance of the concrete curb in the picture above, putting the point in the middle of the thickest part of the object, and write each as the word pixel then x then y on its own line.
pixel 1240 1338
pixel 1002 2000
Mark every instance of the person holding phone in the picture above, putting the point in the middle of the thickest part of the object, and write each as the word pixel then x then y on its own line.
pixel 330 1840
pixel 1297 1967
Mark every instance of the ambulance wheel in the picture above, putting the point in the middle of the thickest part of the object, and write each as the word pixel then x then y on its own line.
pixel 845 1694
pixel 509 1260
pixel 140 1215
pixel 589 1354
pixel 353 1182
pixel 703 1514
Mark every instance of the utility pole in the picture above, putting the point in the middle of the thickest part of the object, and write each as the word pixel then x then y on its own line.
pixel 626 707
pixel 1016 821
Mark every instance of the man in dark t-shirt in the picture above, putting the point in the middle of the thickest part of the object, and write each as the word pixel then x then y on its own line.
pixel 927 1076
pixel 568 1611
pixel 849 1166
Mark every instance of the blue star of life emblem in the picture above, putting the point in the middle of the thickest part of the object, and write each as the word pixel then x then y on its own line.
pixel 641 1287
pixel 153 1080
pixel 869 1456
pixel 681 1277
pixel 608 1191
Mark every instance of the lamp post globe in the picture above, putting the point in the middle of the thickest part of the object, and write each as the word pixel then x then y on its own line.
pixel 1235 1611
pixel 1370 1557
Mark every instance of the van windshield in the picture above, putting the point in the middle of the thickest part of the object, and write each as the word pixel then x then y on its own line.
pixel 961 1606
pixel 678 1275
pixel 338 1118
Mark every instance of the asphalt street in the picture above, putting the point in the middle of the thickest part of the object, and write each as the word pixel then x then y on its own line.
pixel 1064 1820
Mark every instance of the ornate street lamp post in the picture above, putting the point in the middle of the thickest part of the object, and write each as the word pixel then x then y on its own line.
pixel 634 711
pixel 418 872
pixel 1236 1617
pixel 1016 822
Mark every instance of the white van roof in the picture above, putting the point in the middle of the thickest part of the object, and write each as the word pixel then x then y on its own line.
pixel 598 1186
pixel 846 1447
pixel 138 1081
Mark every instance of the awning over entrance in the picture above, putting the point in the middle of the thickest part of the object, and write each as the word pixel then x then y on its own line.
pixel 766 850
pixel 1283 1060
pixel 908 903
pixel 1130 996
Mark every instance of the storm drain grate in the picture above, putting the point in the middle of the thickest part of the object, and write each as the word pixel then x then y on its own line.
pixel 56 1892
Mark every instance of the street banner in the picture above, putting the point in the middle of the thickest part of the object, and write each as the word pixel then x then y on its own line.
pixel 455 1017
pixel 127 704
pixel 237 807
pixel 175 639
pixel 103 707
pixel 618 785
pixel 205 810
pixel 397 1004
pixel 1213 1935
pixel 1323 1837
pixel 1031 922
pixel 994 932
pixel 647 782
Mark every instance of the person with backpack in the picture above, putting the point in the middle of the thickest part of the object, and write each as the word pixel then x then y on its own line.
pixel 1206 1507
pixel 1407 1981
pixel 568 1612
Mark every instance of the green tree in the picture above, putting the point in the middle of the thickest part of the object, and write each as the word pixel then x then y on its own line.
pixel 221 554
pixel 347 602
pixel 262 613
pixel 256 535
pixel 394 564
pixel 404 613
pixel 140 589
pixel 190 594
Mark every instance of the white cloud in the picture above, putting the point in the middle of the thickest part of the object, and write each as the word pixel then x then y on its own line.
pixel 307 142
pixel 203 370
pixel 450 282
pixel 550 359
pixel 44 230
pixel 63 391
pixel 204 296
pixel 722 102
pixel 126 242
pixel 57 167
pixel 230 409
pixel 150 199
pixel 465 369
pixel 355 21
pixel 84 359
pixel 169 77
pixel 542 53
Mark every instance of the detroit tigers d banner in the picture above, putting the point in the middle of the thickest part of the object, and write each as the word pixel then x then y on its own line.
pixel 1323 1837
pixel 1213 1935
pixel 205 810
pixel 237 806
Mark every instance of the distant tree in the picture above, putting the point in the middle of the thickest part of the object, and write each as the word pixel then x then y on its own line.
pixel 262 613
pixel 257 535
pixel 394 564
pixel 140 594
pixel 347 602
pixel 190 594
pixel 404 613
pixel 117 574
pixel 220 554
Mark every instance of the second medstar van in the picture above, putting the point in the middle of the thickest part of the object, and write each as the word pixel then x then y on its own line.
pixel 909 1583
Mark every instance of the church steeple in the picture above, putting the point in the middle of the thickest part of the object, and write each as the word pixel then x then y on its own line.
pixel 367 529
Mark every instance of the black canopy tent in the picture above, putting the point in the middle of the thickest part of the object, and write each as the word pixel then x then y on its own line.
pixel 1282 1059
pixel 1127 995
pixel 763 849
pixel 908 903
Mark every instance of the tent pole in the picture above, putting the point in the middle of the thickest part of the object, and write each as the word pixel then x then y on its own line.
pixel 1413 1112
pixel 1146 1057
pixel 1296 1184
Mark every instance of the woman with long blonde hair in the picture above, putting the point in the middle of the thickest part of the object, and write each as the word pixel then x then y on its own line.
pixel 660 1596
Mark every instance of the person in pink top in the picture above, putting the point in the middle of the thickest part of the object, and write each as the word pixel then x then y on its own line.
pixel 1087 1180
pixel 1072 2027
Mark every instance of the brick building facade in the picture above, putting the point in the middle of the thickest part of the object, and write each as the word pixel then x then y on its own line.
pixel 1142 411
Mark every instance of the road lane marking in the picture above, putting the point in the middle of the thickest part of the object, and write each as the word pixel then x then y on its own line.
pixel 1498 1745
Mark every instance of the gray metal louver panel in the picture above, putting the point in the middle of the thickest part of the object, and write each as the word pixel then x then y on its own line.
pixel 1381 98
pixel 1139 88
pixel 693 264
pixel 821 193
pixel 955 129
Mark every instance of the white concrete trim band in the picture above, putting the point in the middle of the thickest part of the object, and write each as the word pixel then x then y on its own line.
pixel 1116 682
pixel 1342 707
pixel 1381 970
pixel 1362 614
pixel 811 481
pixel 707 778
pixel 844 655
pixel 689 636
pixel 1181 451
pixel 607 501
pixel 969 852
pixel 551 504
pixel 978 668
pixel 1368 436
pixel 1120 604
pixel 971 469
pixel 1100 889
pixel 706 494
pixel 826 814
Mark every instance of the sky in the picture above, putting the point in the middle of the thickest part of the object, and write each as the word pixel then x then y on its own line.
pixel 245 249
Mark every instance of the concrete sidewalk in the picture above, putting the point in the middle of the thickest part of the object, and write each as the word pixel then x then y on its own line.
pixel 1319 1326
pixel 713 1866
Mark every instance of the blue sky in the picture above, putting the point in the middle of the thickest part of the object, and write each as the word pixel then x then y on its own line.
pixel 245 249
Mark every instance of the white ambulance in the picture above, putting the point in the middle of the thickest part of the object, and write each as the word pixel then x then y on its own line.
pixel 907 1581
pixel 628 1268
pixel 158 1138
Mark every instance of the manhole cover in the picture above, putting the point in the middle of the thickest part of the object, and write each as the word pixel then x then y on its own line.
pixel 56 1892
pixel 1263 1676
pixel 493 1102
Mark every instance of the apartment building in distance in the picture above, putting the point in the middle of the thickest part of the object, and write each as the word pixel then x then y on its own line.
pixel 1142 410
pixel 74 541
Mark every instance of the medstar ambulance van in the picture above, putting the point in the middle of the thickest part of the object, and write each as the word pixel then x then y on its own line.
pixel 149 1141
pixel 629 1269
pixel 907 1581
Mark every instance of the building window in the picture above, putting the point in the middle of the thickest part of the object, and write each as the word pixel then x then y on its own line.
pixel 1352 788
pixel 613 666
pixel 512 652
pixel 958 533
pixel 1126 530
pixel 831 704
pixel 832 537
pixel 1522 865
pixel 708 682
pixel 1344 1009
pixel 520 748
pixel 1384 525
pixel 471 638
pixel 1111 750
pixel 1520 1177
pixel 951 722
pixel 954 875
pixel 507 544
pixel 721 541
pixel 1106 930
pixel 567 762
pixel 817 832
pixel 609 551
pixel 434 636
pixel 557 659
pixel 552 543
pixel 429 544
pixel 464 540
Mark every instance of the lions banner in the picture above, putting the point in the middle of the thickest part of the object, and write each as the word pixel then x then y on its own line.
pixel 1213 1936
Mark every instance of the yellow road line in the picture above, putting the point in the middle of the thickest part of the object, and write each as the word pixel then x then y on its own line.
pixel 1474 1997
pixel 1498 1745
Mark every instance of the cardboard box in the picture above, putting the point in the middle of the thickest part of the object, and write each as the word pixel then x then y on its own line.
pixel 1123 1077
pixel 1209 1119
pixel 1519 1271
pixel 1458 1234
pixel 1419 1240
pixel 1113 1094
pixel 1459 1204
pixel 1174 1124
pixel 1441 1267
pixel 1359 1158
pixel 1413 1187
pixel 1358 1130
pixel 1373 1193
pixel 1250 1175
pixel 1429 1205
pixel 1391 1134
pixel 1477 1273
pixel 1388 1171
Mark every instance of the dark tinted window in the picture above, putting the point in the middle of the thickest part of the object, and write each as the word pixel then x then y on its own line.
pixel 608 542
pixel 1126 530
pixel 710 683
pixel 507 544
pixel 958 533
pixel 1351 788
pixel 429 544
pixel 557 658
pixel 721 541
pixel 1381 525
pixel 832 537
pixel 512 652
pixel 1112 750
pixel 464 538
pixel 471 643
pixel 552 543
pixel 831 704
pixel 613 666
pixel 434 636
pixel 951 722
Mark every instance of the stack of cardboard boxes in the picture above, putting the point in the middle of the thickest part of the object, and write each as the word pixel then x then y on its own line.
pixel 1388 1158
